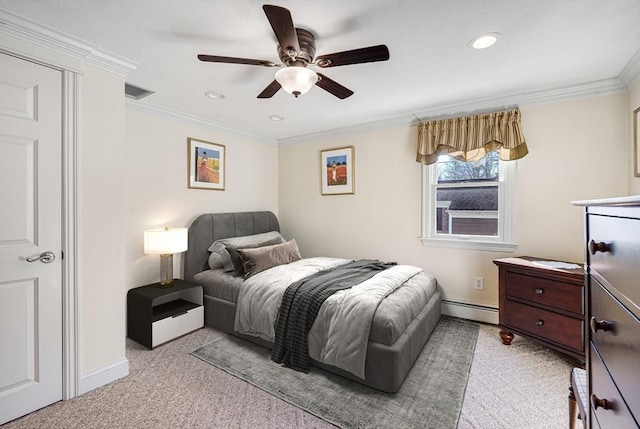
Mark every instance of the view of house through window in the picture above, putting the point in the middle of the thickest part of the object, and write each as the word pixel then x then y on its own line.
pixel 467 196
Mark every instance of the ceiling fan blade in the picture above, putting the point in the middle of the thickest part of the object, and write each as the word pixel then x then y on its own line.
pixel 233 60
pixel 333 87
pixel 355 56
pixel 270 90
pixel 282 25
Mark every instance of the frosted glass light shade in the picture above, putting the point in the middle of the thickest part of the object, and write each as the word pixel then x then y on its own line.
pixel 296 80
pixel 165 241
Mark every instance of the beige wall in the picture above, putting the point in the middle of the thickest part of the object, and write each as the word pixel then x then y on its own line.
pixel 634 103
pixel 156 195
pixel 578 150
pixel 101 268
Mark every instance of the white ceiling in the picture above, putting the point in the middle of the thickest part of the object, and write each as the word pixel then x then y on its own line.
pixel 545 45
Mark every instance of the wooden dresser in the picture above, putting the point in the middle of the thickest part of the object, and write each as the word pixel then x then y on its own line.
pixel 613 312
pixel 541 303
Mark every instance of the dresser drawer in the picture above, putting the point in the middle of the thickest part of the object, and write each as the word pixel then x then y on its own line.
pixel 564 296
pixel 174 326
pixel 602 388
pixel 619 347
pixel 561 329
pixel 614 253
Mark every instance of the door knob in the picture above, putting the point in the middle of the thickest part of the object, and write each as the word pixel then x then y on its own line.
pixel 45 257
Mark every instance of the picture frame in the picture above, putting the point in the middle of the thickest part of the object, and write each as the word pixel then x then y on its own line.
pixel 636 141
pixel 206 165
pixel 337 171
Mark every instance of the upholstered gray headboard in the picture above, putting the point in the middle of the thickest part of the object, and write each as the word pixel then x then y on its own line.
pixel 207 228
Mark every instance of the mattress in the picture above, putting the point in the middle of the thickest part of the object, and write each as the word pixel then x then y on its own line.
pixel 393 316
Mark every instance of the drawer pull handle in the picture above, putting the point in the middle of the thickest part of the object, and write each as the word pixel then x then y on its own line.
pixel 180 314
pixel 600 325
pixel 599 247
pixel 539 291
pixel 540 322
pixel 600 403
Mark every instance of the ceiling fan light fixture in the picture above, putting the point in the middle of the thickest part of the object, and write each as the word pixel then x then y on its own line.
pixel 296 80
pixel 485 40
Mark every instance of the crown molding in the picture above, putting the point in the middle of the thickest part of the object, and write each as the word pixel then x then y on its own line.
pixel 25 30
pixel 631 71
pixel 192 120
pixel 589 89
pixel 399 121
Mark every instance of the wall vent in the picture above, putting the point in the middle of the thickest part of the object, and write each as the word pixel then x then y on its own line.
pixel 136 92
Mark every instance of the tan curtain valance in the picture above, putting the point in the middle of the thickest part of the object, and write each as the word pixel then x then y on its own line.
pixel 470 138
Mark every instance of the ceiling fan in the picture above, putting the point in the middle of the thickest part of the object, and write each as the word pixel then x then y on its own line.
pixel 296 49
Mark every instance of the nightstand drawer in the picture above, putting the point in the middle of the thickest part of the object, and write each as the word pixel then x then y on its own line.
pixel 563 296
pixel 172 327
pixel 545 324
pixel 605 400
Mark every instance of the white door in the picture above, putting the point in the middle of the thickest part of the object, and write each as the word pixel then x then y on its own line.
pixel 30 226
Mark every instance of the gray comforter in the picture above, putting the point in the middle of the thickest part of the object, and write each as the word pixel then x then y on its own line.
pixel 301 303
pixel 340 332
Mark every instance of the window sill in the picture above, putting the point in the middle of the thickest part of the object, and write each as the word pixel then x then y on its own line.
pixel 470 244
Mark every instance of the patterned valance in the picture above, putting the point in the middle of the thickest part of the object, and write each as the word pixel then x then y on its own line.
pixel 470 138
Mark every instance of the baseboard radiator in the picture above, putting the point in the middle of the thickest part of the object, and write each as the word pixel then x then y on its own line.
pixel 475 312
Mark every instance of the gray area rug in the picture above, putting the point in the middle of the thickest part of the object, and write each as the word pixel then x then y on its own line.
pixel 431 396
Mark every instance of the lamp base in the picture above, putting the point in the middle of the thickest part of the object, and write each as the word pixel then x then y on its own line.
pixel 166 271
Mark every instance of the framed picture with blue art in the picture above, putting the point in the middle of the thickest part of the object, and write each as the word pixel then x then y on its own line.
pixel 206 165
pixel 337 169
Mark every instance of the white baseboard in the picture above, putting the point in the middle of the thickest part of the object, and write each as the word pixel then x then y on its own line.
pixel 104 376
pixel 478 313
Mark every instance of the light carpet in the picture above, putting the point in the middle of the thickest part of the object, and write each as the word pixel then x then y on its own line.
pixel 430 397
pixel 522 386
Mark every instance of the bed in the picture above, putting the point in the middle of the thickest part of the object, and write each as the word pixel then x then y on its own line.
pixel 389 355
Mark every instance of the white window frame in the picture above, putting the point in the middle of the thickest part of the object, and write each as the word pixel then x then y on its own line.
pixel 503 242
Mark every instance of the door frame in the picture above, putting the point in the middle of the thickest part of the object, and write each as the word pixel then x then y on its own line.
pixel 70 308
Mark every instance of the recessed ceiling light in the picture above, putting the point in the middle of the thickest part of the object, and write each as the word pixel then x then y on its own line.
pixel 276 118
pixel 214 95
pixel 484 40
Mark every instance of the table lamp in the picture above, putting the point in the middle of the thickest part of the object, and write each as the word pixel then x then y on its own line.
pixel 165 242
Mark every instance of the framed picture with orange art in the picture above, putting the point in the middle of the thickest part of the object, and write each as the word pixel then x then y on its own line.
pixel 337 168
pixel 206 165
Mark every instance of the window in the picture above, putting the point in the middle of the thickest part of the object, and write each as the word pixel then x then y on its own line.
pixel 468 204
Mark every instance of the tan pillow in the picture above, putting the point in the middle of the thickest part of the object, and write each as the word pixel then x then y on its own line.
pixel 262 258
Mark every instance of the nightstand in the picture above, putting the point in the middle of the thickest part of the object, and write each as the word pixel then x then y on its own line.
pixel 156 315
pixel 541 303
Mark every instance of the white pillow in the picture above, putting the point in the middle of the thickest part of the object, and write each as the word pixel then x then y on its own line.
pixel 220 257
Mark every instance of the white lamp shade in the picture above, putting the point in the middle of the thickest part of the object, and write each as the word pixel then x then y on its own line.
pixel 296 80
pixel 165 241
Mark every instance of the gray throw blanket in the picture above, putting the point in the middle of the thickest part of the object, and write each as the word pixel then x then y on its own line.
pixel 302 301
